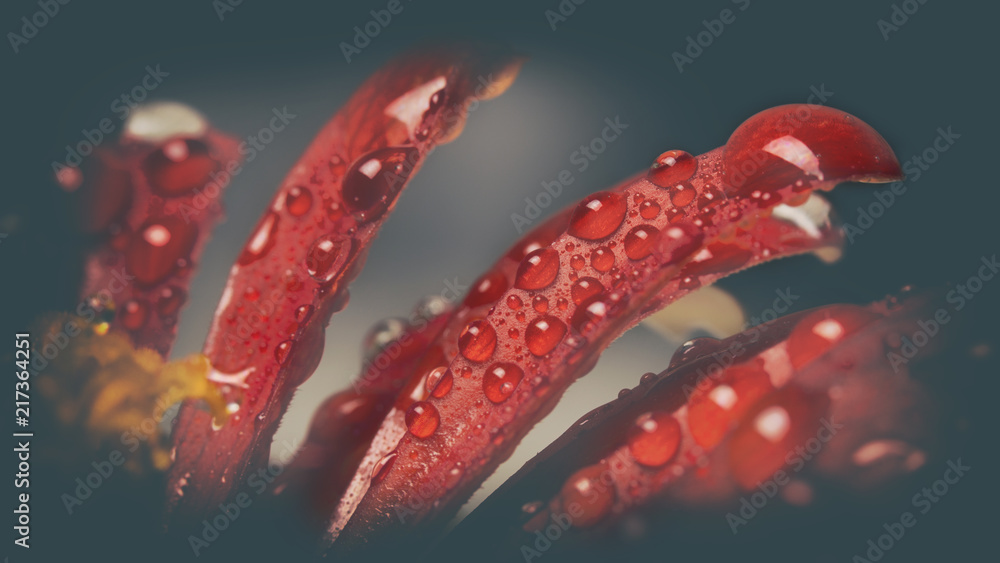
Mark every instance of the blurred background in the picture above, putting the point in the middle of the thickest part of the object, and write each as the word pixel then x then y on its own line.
pixel 587 62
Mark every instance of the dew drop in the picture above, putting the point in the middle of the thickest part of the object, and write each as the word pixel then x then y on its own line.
pixel 681 195
pixel 538 269
pixel 477 341
pixel 639 241
pixel 282 352
pixel 262 240
pixel 170 300
pixel 598 216
pixel 672 168
pixel 500 380
pixel 577 262
pixel 373 182
pixel 382 468
pixel 543 334
pixel 654 438
pixel 540 303
pixel 328 256
pixel 178 167
pixel 153 255
pixel 585 288
pixel 439 382
pixel 602 259
pixel 298 200
pixel 514 302
pixel 649 209
pixel 422 419
pixel 303 313
pixel 133 314
pixel 586 489
pixel 487 289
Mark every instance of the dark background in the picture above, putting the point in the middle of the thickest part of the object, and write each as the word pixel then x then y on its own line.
pixel 607 59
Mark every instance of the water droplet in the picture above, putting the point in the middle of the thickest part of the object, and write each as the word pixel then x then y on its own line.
pixel 373 182
pixel 585 288
pixel 639 241
pixel 170 300
pixel 303 313
pixel 500 380
pixel 298 200
pixel 654 439
pixel 513 333
pixel 538 269
pixel 282 352
pixel 821 330
pixel 328 256
pixel 577 262
pixel 178 167
pixel 153 255
pixel 133 314
pixel 261 241
pixel 587 490
pixel 710 198
pixel 439 382
pixel 649 209
pixel 672 168
pixel 598 216
pixel 602 259
pixel 487 289
pixel 382 468
pixel 422 419
pixel 589 312
pixel 540 303
pixel 381 334
pixel 543 334
pixel 681 195
pixel 477 341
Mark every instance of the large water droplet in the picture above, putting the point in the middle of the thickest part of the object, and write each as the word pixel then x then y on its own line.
pixel 382 468
pixel 178 167
pixel 477 341
pixel 500 380
pixel 261 241
pixel 298 200
pixel 654 438
pixel 585 288
pixel 374 181
pixel 133 314
pixel 598 216
pixel 153 254
pixel 640 240
pixel 543 334
pixel 602 259
pixel 282 352
pixel 328 257
pixel 487 289
pixel 587 489
pixel 439 382
pixel 672 168
pixel 538 269
pixel 422 419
